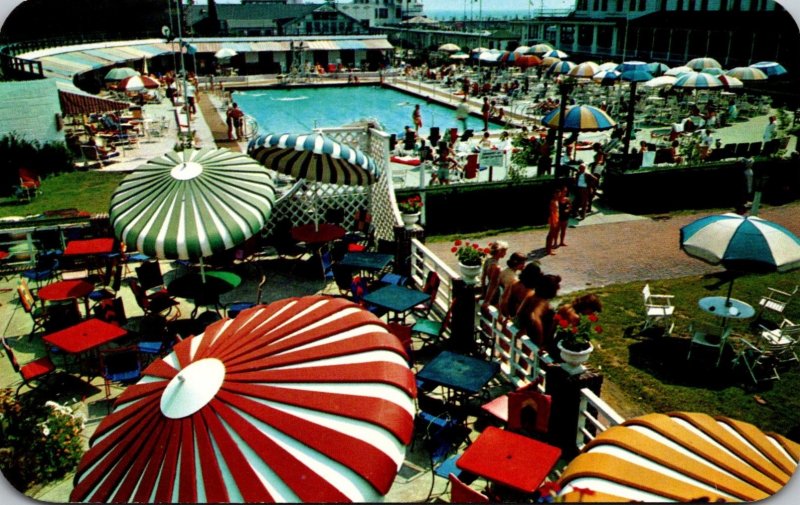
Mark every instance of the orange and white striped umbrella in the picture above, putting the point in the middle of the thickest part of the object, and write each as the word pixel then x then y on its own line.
pixel 687 457
pixel 305 399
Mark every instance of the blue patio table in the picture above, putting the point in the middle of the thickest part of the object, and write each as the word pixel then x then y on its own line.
pixel 464 374
pixel 367 260
pixel 726 308
pixel 397 299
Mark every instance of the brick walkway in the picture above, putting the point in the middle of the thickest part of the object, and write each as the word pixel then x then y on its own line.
pixel 614 253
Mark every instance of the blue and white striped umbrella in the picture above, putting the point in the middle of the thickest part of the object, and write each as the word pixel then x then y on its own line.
pixel 657 69
pixel 747 74
pixel 697 80
pixel 745 243
pixel 580 118
pixel 701 63
pixel 771 68
pixel 716 72
pixel 626 66
pixel 555 53
pixel 636 75
pixel 313 157
pixel 560 67
pixel 680 70
pixel 606 77
pixel 609 65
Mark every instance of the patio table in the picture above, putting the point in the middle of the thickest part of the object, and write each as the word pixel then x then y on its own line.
pixel 86 247
pixel 192 287
pixel 84 337
pixel 67 290
pixel 509 459
pixel 460 373
pixel 397 299
pixel 317 235
pixel 730 309
pixel 367 260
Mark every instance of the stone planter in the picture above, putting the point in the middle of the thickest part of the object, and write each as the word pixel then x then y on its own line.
pixel 410 219
pixel 574 360
pixel 470 273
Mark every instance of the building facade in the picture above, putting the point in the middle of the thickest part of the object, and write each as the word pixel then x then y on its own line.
pixel 382 12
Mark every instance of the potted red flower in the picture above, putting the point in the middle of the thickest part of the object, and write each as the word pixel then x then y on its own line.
pixel 574 339
pixel 470 258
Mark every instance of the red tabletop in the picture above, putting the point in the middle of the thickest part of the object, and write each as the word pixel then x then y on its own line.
pixel 84 336
pixel 66 290
pixel 317 234
pixel 509 459
pixel 3 255
pixel 89 246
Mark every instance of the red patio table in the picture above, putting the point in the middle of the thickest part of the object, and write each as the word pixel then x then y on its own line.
pixel 85 336
pixel 67 290
pixel 509 459
pixel 89 246
pixel 317 234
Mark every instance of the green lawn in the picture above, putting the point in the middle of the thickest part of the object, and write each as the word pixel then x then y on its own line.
pixel 652 370
pixel 86 191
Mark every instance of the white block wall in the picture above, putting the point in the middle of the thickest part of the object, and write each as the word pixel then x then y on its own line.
pixel 28 108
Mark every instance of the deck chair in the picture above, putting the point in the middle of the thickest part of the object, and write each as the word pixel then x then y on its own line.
pixel 460 492
pixel 33 373
pixel 430 330
pixel 110 290
pixel 159 302
pixel 149 275
pixel 39 315
pixel 525 409
pixel 120 366
pixel 46 268
pixel 658 308
pixel 782 340
pixel 29 184
pixel 712 336
pixel 343 277
pixel 762 359
pixel 775 301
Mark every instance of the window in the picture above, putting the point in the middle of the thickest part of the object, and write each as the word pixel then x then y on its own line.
pixel 679 5
pixel 632 5
pixel 690 5
pixel 663 5
pixel 703 5
pixel 604 5
pixel 642 5
pixel 596 6
pixel 582 5
pixel 737 5
pixel 753 5
pixel 620 5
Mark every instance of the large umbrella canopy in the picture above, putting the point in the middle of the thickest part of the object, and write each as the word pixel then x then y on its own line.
pixel 636 75
pixel 744 243
pixel 540 48
pixel 683 457
pixel 489 56
pixel 137 83
pixel 716 72
pixel 479 50
pixel 192 204
pixel 303 400
pixel 548 61
pixel 608 65
pixel 555 53
pixel 449 48
pixel 586 70
pixel 747 74
pixel 459 56
pixel 660 82
pixel 680 70
pixel 508 56
pixel 771 68
pixel 560 67
pixel 606 77
pixel 657 69
pixel 225 52
pixel 627 66
pixel 697 80
pixel 580 118
pixel 313 157
pixel 119 73
pixel 730 82
pixel 522 49
pixel 701 63
pixel 527 60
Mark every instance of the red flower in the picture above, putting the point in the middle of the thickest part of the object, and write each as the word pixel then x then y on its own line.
pixel 454 249
pixel 457 243
pixel 592 318
pixel 563 323
pixel 598 329
pixel 475 246
pixel 487 251
pixel 574 329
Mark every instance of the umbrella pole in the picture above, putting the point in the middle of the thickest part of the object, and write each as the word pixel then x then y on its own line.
pixel 202 271
pixel 629 126
pixel 730 289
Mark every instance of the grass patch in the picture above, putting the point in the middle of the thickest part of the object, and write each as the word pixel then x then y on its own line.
pixel 86 191
pixel 653 373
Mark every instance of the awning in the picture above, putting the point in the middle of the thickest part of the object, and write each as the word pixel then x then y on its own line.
pixel 270 46
pixel 377 44
pixel 74 103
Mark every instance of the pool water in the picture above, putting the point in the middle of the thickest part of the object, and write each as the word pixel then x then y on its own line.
pixel 300 110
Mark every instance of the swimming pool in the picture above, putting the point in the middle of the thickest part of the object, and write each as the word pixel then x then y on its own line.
pixel 300 110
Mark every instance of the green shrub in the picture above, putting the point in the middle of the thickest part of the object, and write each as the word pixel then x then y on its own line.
pixel 44 158
pixel 40 442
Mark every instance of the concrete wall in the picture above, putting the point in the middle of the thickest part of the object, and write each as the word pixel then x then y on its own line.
pixel 28 108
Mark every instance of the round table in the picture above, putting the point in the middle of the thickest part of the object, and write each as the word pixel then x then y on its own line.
pixel 317 234
pixel 726 308
pixel 67 290
pixel 193 287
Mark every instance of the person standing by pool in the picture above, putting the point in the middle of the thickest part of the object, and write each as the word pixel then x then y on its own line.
pixel 771 130
pixel 236 116
pixel 416 116
pixel 553 222
pixel 462 112
pixel 486 109
pixel 229 121
pixel 564 210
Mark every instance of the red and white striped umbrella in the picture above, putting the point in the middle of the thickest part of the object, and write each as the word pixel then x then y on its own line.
pixel 305 399
pixel 137 83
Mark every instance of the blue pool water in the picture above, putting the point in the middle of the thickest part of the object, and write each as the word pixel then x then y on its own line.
pixel 301 110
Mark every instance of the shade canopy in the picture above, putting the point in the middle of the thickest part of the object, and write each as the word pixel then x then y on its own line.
pixel 697 80
pixel 225 52
pixel 606 77
pixel 730 82
pixel 449 48
pixel 490 56
pixel 580 118
pixel 657 69
pixel 660 82
pixel 521 49
pixel 560 67
pixel 119 73
pixel 304 400
pixel 608 65
pixel 192 204
pixel 137 83
pixel 540 48
pixel 683 457
pixel 701 63
pixel 586 70
pixel 459 56
pixel 680 70
pixel 555 53
pixel 627 66
pixel 744 243
pixel 747 74
pixel 313 157
pixel 716 72
pixel 639 74
pixel 771 68
pixel 526 61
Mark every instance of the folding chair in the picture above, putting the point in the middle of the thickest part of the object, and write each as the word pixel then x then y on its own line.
pixel 149 275
pixel 775 301
pixel 460 492
pixel 32 373
pixel 120 366
pixel 708 335
pixel 430 330
pixel 657 308
pixel 39 315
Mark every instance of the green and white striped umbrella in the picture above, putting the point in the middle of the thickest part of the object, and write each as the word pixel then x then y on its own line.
pixel 192 204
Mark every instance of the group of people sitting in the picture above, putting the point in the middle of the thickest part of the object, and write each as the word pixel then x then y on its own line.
pixel 522 293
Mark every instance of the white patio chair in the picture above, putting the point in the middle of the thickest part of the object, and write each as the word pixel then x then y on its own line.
pixel 658 308
pixel 772 349
pixel 712 336
pixel 775 301
pixel 782 340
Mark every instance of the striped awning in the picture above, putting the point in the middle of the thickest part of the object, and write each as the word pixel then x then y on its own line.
pixel 270 46
pixel 75 103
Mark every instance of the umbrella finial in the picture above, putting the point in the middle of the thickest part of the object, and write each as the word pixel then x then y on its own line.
pixel 187 170
pixel 192 388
